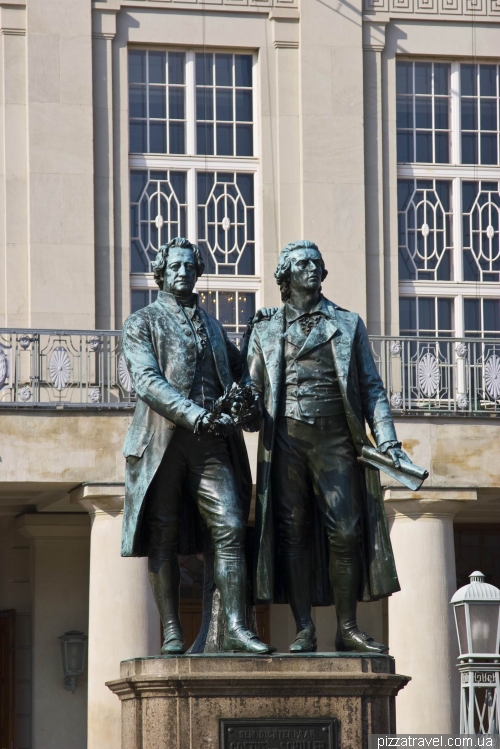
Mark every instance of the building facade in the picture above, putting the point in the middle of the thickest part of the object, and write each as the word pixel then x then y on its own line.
pixel 372 128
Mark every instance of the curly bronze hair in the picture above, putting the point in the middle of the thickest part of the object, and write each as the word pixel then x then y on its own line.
pixel 160 262
pixel 282 274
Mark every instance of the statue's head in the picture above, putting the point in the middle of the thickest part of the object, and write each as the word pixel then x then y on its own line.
pixel 300 264
pixel 177 266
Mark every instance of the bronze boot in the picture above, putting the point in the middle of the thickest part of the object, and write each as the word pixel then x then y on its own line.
pixel 231 579
pixel 345 576
pixel 165 584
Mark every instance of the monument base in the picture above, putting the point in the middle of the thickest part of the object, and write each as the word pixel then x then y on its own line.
pixel 233 701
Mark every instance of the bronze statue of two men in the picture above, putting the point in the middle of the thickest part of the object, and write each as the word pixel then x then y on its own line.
pixel 321 531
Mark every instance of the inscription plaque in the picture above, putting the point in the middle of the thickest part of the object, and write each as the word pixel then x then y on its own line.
pixel 293 733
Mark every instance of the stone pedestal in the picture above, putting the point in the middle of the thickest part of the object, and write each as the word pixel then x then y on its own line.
pixel 179 701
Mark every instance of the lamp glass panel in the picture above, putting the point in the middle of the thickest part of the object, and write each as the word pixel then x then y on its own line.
pixel 462 629
pixel 484 627
pixel 74 656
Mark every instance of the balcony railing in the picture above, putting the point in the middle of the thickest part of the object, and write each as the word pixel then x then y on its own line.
pixel 86 369
pixel 440 375
pixel 64 369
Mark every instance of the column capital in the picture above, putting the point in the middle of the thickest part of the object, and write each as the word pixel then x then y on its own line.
pixel 426 503
pixel 104 22
pixel 99 498
pixel 53 525
pixel 285 26
pixel 13 18
pixel 374 33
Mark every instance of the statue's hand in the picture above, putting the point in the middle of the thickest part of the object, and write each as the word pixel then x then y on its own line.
pixel 221 426
pixel 264 313
pixel 397 455
pixel 251 419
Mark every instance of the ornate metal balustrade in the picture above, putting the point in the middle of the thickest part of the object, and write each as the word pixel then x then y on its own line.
pixel 440 375
pixel 63 369
pixel 87 369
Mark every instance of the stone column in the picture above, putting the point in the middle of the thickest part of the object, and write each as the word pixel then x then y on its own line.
pixel 373 46
pixel 422 635
pixel 59 574
pixel 123 619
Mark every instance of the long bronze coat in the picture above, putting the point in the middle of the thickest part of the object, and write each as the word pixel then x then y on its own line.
pixel 157 352
pixel 364 399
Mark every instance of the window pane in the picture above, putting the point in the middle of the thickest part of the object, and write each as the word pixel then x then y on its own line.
pixel 423 111
pixel 205 139
pixel 441 79
pixel 244 105
pixel 468 80
pixel 442 148
pixel 157 102
pixel 176 132
pixel 157 137
pixel 405 147
pixel 138 261
pixel 224 140
pixel 469 114
pixel 137 66
pixel 441 111
pixel 244 140
pixel 472 315
pixel 243 69
pixel 469 148
pixel 138 180
pixel 176 67
pixel 157 67
pixel 223 70
pixel 489 148
pixel 488 114
pixel 423 78
pixel 491 313
pixel 224 104
pixel 488 80
pixel 426 315
pixel 137 101
pixel 424 146
pixel 176 103
pixel 139 299
pixel 227 308
pixel 204 104
pixel 246 307
pixel 208 300
pixel 138 142
pixel 445 315
pixel 407 315
pixel 204 69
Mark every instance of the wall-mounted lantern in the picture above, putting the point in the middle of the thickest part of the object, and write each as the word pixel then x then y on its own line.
pixel 74 650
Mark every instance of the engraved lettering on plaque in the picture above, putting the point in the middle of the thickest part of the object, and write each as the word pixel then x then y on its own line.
pixel 293 733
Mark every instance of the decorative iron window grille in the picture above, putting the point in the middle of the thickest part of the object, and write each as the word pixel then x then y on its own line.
pixel 481 225
pixel 425 242
pixel 226 223
pixel 158 208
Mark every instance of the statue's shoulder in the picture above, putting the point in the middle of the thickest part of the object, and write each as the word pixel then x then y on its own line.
pixel 338 310
pixel 141 316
